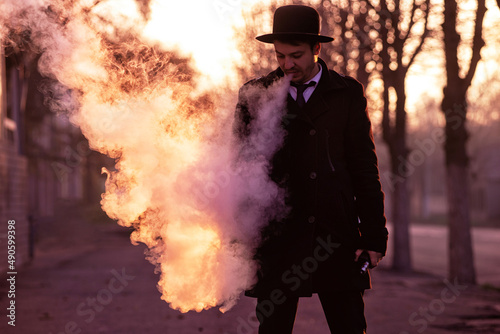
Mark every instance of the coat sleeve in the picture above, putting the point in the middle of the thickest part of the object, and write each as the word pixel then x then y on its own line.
pixel 363 167
pixel 242 116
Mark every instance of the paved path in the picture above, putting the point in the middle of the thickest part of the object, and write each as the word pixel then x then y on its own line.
pixel 89 278
pixel 430 252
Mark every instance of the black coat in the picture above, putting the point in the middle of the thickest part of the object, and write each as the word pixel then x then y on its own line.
pixel 328 167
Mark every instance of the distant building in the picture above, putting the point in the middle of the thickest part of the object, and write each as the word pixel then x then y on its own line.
pixel 45 161
pixel 13 167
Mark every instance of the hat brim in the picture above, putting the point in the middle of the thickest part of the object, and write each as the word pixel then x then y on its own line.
pixel 270 38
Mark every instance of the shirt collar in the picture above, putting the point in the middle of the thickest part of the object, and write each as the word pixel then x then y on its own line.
pixel 317 76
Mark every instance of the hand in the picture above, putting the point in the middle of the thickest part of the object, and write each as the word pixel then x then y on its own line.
pixel 375 257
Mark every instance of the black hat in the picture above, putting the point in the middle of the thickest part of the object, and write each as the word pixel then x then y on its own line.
pixel 295 21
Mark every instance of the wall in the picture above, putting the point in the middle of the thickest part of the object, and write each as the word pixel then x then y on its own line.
pixel 14 205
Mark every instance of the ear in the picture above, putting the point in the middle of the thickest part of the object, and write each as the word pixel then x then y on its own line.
pixel 317 49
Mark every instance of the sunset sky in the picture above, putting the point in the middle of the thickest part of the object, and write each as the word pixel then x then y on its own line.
pixel 206 32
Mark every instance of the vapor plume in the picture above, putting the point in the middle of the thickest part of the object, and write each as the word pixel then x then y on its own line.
pixel 195 194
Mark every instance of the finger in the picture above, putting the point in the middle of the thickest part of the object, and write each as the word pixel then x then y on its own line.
pixel 357 254
pixel 375 258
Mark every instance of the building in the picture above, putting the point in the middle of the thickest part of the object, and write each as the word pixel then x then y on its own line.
pixel 45 162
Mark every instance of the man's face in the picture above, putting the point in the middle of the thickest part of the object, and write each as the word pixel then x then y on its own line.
pixel 298 61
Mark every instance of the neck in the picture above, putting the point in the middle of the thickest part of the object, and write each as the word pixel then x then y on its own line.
pixel 314 71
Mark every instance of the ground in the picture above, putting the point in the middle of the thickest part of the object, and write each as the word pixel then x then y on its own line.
pixel 72 286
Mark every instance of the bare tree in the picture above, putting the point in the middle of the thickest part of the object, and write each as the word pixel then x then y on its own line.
pixel 454 106
pixel 398 26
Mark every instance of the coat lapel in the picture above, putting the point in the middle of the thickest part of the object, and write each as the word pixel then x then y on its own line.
pixel 317 103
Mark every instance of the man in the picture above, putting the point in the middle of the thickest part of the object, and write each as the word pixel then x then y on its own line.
pixel 328 167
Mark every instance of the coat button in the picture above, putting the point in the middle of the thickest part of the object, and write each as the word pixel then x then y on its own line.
pixel 312 176
pixel 311 219
pixel 312 132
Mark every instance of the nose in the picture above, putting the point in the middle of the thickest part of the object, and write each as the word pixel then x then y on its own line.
pixel 289 64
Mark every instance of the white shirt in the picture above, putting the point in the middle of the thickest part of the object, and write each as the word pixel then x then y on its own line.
pixel 309 90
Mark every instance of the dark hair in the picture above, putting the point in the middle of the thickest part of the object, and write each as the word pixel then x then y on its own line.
pixel 297 40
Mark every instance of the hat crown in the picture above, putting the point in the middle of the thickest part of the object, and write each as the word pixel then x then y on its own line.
pixel 296 19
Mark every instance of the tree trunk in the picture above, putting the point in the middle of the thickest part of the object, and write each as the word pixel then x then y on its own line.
pixel 394 133
pixel 454 106
pixel 461 261
pixel 403 169
pixel 401 260
pixel 461 258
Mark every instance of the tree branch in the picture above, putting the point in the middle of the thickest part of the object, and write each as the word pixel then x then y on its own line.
pixel 387 128
pixel 424 34
pixel 412 22
pixel 477 42
pixel 370 5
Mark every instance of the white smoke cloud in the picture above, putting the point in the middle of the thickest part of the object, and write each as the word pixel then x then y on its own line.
pixel 177 180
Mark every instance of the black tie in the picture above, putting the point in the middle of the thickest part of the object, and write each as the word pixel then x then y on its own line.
pixel 300 91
